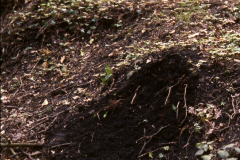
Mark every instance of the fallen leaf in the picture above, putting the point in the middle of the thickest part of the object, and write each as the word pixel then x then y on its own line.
pixel 150 154
pixel 62 59
pixel 45 64
pixel 76 97
pixel 45 102
pixel 66 102
pixel 46 51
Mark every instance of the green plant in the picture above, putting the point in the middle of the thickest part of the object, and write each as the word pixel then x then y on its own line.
pixel 197 127
pixel 228 151
pixel 225 152
pixel 108 75
pixel 204 147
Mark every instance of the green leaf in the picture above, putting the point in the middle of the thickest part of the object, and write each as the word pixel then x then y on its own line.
pixel 108 77
pixel 166 148
pixel 204 147
pixel 223 154
pixel 199 152
pixel 160 155
pixel 229 146
pixel 105 115
pixel 237 149
pixel 223 103
pixel 206 157
pixel 150 154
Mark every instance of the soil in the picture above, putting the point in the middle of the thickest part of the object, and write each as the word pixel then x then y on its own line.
pixel 128 119
pixel 118 125
pixel 142 113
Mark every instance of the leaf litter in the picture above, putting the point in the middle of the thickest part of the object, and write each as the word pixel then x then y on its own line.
pixel 183 54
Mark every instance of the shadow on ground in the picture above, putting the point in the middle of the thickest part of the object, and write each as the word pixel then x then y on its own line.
pixel 118 126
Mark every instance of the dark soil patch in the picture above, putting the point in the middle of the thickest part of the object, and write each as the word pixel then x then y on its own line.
pixel 127 120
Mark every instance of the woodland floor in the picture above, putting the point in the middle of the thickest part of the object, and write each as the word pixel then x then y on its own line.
pixel 151 107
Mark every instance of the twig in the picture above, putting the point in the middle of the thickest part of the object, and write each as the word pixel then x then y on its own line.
pixel 144 134
pixel 43 28
pixel 45 119
pixel 149 152
pixel 92 136
pixel 14 153
pixel 135 95
pixel 49 125
pixel 29 156
pixel 188 140
pixel 170 88
pixel 156 149
pixel 150 137
pixel 112 84
pixel 67 86
pixel 9 106
pixel 39 123
pixel 234 107
pixel 229 121
pixel 35 66
pixel 9 143
pixel 21 145
pixel 43 40
pixel 185 103
pixel 177 110
pixel 59 145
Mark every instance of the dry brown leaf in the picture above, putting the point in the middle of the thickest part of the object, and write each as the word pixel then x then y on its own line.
pixel 45 64
pixel 62 59
pixel 46 51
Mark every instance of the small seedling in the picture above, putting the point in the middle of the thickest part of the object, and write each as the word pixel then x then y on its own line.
pixel 108 78
pixel 197 127
pixel 105 115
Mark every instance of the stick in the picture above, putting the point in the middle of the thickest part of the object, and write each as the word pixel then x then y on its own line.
pixel 188 140
pixel 59 145
pixel 170 88
pixel 39 123
pixel 43 41
pixel 177 110
pixel 49 125
pixel 234 107
pixel 21 145
pixel 14 153
pixel 135 94
pixel 144 140
pixel 34 66
pixel 29 156
pixel 185 103
pixel 156 149
pixel 92 136
pixel 150 137
pixel 149 152
pixel 11 149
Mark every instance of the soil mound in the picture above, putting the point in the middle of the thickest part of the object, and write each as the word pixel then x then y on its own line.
pixel 145 114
